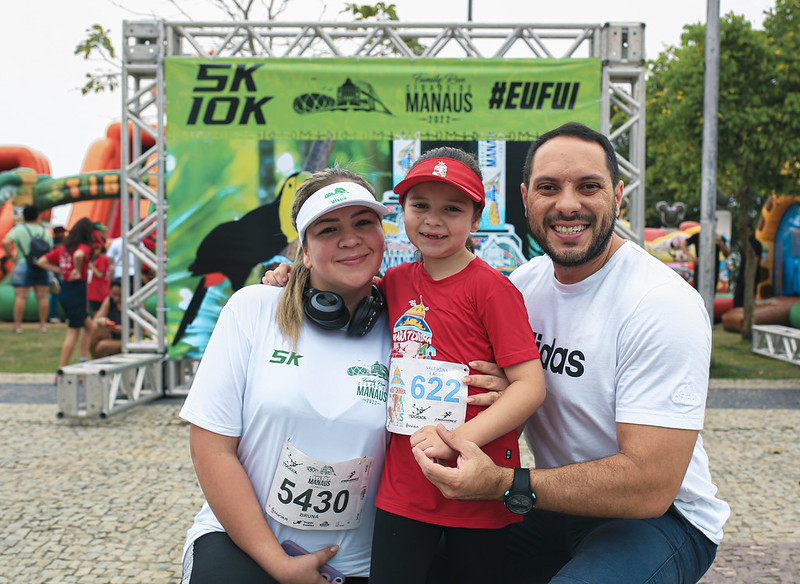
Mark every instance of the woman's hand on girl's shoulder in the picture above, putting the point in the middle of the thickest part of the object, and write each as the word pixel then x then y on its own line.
pixel 277 277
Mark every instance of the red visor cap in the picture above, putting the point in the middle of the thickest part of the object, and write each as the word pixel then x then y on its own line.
pixel 446 170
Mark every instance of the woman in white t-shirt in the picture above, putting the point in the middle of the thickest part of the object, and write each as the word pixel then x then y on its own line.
pixel 287 416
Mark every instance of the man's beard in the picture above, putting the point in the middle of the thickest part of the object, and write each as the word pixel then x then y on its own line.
pixel 571 258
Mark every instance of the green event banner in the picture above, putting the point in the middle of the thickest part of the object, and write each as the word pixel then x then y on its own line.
pixel 378 99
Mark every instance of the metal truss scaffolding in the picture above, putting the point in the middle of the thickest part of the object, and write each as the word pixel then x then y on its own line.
pixel 777 341
pixel 146 44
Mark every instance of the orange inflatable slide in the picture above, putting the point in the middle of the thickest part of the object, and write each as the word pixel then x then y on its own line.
pixel 103 154
pixel 19 157
pixel 778 289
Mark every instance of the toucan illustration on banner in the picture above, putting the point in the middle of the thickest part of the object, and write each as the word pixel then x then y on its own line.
pixel 231 250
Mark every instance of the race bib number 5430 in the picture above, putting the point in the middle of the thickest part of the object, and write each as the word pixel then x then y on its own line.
pixel 314 494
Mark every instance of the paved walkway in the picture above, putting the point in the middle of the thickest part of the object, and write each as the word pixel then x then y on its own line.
pixel 91 502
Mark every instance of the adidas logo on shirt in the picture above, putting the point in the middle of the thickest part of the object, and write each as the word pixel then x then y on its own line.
pixel 560 359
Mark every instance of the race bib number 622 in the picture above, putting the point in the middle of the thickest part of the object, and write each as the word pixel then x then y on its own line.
pixel 424 393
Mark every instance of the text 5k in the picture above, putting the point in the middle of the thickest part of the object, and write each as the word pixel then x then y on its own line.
pixel 285 358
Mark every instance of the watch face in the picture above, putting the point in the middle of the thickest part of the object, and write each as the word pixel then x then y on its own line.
pixel 519 503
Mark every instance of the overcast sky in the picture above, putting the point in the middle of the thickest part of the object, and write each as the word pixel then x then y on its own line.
pixel 42 108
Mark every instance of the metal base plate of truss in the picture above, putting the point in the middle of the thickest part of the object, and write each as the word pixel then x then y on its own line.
pixel 108 385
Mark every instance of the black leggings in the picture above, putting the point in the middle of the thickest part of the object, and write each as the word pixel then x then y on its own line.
pixel 403 551
pixel 217 560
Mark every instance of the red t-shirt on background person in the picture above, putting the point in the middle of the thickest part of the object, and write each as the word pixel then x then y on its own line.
pixel 64 261
pixel 98 286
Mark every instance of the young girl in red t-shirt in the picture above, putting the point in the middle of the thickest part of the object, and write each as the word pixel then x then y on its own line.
pixel 448 310
pixel 71 260
pixel 99 278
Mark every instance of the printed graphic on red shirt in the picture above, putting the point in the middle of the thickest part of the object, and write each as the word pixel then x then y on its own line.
pixel 411 336
pixel 422 390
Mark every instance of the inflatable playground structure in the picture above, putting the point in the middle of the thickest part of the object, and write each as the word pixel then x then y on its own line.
pixel 125 175
pixel 94 193
pixel 776 329
pixel 778 274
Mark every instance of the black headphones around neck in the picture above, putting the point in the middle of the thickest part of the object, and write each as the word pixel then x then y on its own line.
pixel 328 311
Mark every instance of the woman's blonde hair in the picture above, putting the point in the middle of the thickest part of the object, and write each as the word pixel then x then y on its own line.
pixel 290 307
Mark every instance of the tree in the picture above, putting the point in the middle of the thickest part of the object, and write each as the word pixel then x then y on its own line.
pixel 782 26
pixel 98 44
pixel 381 11
pixel 756 153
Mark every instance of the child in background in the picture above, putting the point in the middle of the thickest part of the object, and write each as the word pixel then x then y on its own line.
pixel 449 310
pixel 58 238
pixel 97 287
pixel 71 260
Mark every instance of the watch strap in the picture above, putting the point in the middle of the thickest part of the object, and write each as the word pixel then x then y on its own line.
pixel 520 497
pixel 522 481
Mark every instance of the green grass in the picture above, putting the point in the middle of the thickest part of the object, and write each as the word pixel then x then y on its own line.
pixel 32 351
pixel 733 358
pixel 35 352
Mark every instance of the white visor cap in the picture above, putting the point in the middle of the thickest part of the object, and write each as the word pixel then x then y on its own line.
pixel 332 197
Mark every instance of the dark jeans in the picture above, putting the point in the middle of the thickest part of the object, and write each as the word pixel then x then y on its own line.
pixel 556 548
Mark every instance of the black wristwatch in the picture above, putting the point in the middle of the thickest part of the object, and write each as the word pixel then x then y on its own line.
pixel 520 498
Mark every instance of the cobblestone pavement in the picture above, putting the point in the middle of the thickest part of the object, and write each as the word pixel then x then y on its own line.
pixel 755 462
pixel 110 501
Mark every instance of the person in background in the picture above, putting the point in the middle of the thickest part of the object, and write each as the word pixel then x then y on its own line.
pixel 97 287
pixel 24 276
pixel 114 254
pixel 106 337
pixel 99 235
pixel 72 261
pixel 148 243
pixel 738 291
pixel 58 238
pixel 720 246
pixel 622 491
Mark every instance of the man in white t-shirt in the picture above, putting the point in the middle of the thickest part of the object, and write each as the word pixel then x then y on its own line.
pixel 621 491
pixel 114 254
